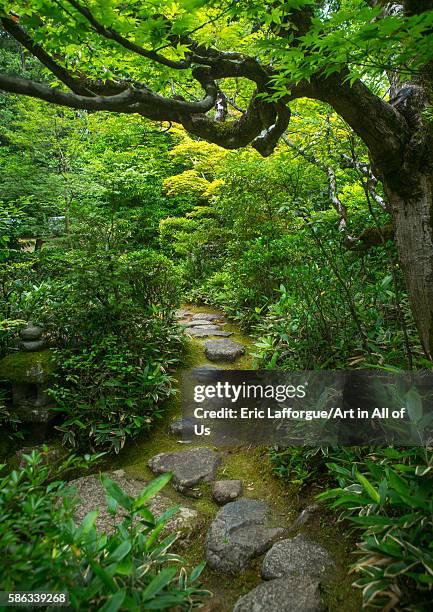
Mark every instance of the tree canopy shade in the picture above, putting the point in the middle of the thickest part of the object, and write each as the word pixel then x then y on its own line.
pixel 371 61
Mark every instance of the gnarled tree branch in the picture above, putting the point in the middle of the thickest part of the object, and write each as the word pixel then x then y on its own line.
pixel 380 125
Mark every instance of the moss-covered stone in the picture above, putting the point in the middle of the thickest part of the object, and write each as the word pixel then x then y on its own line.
pixel 30 368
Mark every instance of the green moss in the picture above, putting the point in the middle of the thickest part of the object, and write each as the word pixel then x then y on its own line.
pixel 27 367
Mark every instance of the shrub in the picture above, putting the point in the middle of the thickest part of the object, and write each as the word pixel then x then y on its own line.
pixel 44 550
pixel 388 495
pixel 111 315
pixel 92 294
pixel 106 393
pixel 297 465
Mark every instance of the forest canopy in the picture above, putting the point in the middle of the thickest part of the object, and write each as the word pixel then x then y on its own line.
pixel 229 72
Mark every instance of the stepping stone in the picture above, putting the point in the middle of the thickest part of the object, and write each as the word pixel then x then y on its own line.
pixel 202 316
pixel 181 314
pixel 209 327
pixel 239 532
pixel 295 557
pixel 198 323
pixel 203 332
pixel 189 467
pixel 225 491
pixel 92 496
pixel 223 350
pixel 299 594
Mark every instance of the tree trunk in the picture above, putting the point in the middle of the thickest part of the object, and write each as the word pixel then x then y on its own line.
pixel 412 211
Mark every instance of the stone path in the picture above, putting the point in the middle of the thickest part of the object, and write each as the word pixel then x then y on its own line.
pixel 204 325
pixel 244 528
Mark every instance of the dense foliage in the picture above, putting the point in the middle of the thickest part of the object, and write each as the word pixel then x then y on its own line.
pixel 264 245
pixel 108 222
pixel 45 550
pixel 85 206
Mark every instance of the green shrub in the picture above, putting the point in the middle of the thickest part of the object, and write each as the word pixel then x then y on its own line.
pixel 362 319
pixel 93 293
pixel 44 550
pixel 106 393
pixel 297 465
pixel 111 315
pixel 388 495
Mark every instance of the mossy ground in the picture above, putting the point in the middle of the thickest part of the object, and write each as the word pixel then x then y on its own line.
pixel 252 466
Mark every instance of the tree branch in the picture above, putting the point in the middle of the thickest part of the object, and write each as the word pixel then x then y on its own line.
pixel 332 186
pixel 143 101
pixel 124 42
pixel 370 180
pixel 37 51
pixel 382 127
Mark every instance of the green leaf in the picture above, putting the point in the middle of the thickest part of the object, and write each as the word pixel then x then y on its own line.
pixel 87 524
pixel 114 603
pixel 368 487
pixel 372 520
pixel 121 551
pixel 196 572
pixel 104 576
pixel 116 493
pixel 160 581
pixel 414 405
pixel 152 489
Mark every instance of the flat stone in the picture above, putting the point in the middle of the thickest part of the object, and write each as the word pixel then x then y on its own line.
pixel 91 495
pixel 198 323
pixel 182 427
pixel 225 491
pixel 223 350
pixel 32 345
pixel 239 532
pixel 203 332
pixel 180 314
pixel 295 557
pixel 284 595
pixel 189 467
pixel 210 327
pixel 31 332
pixel 203 316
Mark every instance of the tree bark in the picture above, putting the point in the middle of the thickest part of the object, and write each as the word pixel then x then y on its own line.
pixel 412 213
